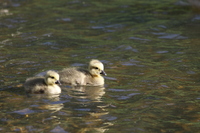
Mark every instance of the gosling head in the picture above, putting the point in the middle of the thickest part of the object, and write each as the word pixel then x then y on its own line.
pixel 96 68
pixel 52 78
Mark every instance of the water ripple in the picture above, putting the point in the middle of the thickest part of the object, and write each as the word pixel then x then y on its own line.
pixel 24 111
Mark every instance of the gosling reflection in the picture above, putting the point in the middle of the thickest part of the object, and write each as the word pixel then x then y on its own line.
pixel 93 93
pixel 87 102
pixel 54 107
pixel 46 102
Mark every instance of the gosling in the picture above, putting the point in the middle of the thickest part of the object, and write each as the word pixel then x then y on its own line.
pixel 47 84
pixel 78 76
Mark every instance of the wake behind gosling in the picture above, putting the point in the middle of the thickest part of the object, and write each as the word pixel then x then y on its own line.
pixel 47 84
pixel 79 76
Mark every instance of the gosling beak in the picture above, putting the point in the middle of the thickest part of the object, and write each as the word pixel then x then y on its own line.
pixel 103 72
pixel 58 82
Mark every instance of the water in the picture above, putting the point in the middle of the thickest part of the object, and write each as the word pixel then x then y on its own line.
pixel 151 54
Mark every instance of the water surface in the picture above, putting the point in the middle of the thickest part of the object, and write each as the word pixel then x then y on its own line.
pixel 151 54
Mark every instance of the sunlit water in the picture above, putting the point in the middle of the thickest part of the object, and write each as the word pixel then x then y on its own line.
pixel 151 54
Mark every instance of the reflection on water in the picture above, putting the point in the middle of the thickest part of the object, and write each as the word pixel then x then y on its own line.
pixel 150 50
pixel 93 93
pixel 52 102
pixel 77 107
pixel 89 101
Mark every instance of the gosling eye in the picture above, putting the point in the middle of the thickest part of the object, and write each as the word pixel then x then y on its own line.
pixel 95 67
pixel 51 77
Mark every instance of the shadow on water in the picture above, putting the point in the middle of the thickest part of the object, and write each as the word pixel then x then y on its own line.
pixel 151 54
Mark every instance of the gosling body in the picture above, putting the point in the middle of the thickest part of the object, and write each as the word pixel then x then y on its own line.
pixel 47 84
pixel 78 76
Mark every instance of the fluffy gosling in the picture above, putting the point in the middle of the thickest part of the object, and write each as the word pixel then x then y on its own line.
pixel 78 76
pixel 47 84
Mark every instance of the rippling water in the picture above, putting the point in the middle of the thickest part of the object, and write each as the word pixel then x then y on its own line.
pixel 151 54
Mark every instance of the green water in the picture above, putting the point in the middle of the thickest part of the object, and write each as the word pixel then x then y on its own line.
pixel 150 50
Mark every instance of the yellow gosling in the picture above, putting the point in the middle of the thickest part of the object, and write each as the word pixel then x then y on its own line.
pixel 78 76
pixel 47 84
